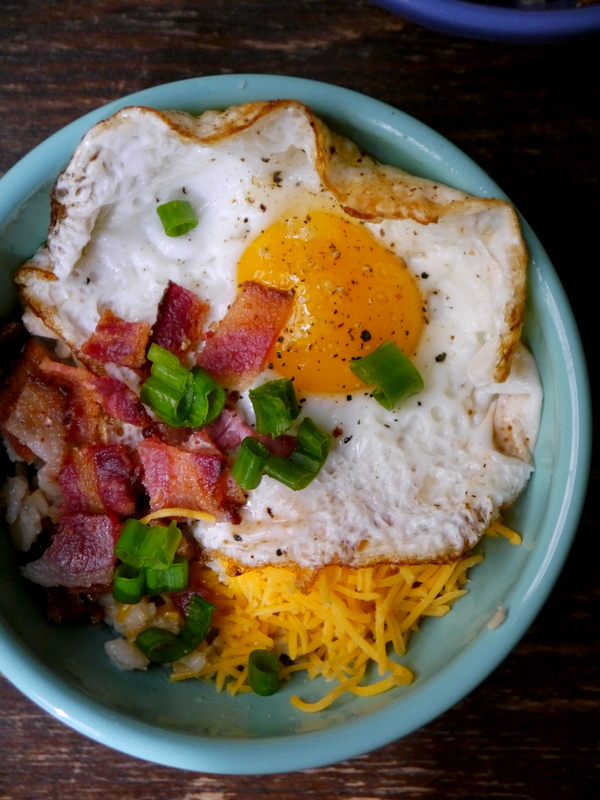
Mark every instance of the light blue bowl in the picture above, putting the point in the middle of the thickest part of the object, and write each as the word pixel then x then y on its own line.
pixel 189 725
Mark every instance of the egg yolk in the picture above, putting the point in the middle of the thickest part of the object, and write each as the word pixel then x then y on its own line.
pixel 351 294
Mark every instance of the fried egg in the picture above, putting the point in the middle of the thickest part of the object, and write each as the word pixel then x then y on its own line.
pixel 372 254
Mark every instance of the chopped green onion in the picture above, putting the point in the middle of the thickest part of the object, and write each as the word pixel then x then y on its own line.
pixel 170 404
pixel 160 645
pixel 248 466
pixel 128 584
pixel 395 376
pixel 180 397
pixel 288 472
pixel 275 406
pixel 263 672
pixel 164 647
pixel 198 620
pixel 172 579
pixel 312 441
pixel 178 217
pixel 209 399
pixel 167 366
pixel 142 546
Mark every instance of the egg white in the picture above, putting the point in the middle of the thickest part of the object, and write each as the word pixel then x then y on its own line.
pixel 419 483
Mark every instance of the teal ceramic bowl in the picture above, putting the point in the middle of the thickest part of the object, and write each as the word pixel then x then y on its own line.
pixel 189 725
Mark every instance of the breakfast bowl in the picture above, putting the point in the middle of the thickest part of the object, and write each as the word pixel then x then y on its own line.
pixel 189 724
pixel 524 21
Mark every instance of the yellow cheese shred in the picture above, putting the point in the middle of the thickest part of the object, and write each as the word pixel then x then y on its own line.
pixel 190 513
pixel 346 621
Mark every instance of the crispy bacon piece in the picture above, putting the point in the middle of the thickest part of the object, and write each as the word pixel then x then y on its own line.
pixel 177 479
pixel 119 401
pixel 81 553
pixel 96 479
pixel 180 318
pixel 196 585
pixel 88 393
pixel 118 342
pixel 230 429
pixel 237 351
pixel 32 410
pixel 196 478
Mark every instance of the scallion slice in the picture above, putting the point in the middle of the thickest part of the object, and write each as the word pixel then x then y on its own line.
pixel 170 404
pixel 142 546
pixel 209 399
pixel 180 397
pixel 160 645
pixel 178 217
pixel 288 472
pixel 198 620
pixel 263 672
pixel 128 584
pixel 394 375
pixel 167 367
pixel 164 647
pixel 312 440
pixel 171 579
pixel 248 466
pixel 275 406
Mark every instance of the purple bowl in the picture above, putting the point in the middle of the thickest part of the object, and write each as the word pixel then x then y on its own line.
pixel 556 21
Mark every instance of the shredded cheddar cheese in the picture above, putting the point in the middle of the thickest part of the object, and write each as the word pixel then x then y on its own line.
pixel 347 620
pixel 189 513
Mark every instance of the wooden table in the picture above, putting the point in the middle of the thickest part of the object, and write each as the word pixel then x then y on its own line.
pixel 529 116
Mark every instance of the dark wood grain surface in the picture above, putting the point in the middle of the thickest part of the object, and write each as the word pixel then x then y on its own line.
pixel 529 116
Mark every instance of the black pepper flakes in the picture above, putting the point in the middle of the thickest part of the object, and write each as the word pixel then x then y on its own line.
pixel 441 357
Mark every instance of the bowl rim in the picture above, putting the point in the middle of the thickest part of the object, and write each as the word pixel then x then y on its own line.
pixel 464 18
pixel 424 703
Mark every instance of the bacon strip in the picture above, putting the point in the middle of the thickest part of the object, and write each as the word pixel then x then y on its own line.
pixel 180 319
pixel 230 429
pixel 119 401
pixel 96 479
pixel 32 410
pixel 237 352
pixel 176 478
pixel 118 342
pixel 88 392
pixel 81 553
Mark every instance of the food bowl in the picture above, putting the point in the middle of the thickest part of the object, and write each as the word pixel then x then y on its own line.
pixel 516 21
pixel 188 724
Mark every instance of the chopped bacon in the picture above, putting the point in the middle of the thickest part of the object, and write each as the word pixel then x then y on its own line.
pixel 176 478
pixel 173 436
pixel 96 479
pixel 196 585
pixel 81 553
pixel 32 410
pixel 64 604
pixel 120 402
pixel 118 342
pixel 181 315
pixel 237 351
pixel 230 429
pixel 89 392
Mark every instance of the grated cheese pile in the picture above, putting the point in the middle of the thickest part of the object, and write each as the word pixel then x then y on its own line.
pixel 348 619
